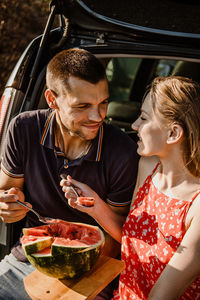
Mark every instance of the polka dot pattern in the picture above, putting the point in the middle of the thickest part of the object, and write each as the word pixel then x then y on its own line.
pixel 151 235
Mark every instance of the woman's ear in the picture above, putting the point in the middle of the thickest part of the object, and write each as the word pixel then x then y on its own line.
pixel 175 134
pixel 51 99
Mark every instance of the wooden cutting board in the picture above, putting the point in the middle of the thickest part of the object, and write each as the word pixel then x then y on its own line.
pixel 42 287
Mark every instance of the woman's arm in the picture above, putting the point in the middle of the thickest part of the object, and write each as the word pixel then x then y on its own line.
pixel 110 220
pixel 183 267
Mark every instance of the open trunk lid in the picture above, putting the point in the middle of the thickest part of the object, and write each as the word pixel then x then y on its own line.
pixel 168 21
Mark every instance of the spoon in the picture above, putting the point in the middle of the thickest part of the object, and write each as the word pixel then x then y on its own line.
pixel 64 176
pixel 45 220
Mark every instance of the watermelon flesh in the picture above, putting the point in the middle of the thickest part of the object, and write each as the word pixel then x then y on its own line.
pixel 63 249
pixel 35 243
pixel 85 201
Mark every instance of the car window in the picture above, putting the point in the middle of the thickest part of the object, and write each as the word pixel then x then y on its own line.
pixel 188 69
pixel 121 73
pixel 165 67
pixel 123 107
pixel 128 78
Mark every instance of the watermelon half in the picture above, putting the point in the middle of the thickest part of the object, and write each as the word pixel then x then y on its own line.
pixel 63 249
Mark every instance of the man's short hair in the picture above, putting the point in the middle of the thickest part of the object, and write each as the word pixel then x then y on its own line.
pixel 73 62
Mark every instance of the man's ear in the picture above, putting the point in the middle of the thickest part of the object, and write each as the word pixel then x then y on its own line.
pixel 175 134
pixel 51 99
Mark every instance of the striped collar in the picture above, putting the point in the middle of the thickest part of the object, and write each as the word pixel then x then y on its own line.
pixel 47 140
pixel 47 134
pixel 99 145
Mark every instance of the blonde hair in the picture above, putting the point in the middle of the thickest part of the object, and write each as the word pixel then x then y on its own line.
pixel 177 99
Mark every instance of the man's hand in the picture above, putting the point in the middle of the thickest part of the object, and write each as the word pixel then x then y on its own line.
pixel 10 210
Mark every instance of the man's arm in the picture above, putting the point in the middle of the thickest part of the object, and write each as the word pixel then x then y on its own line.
pixel 10 191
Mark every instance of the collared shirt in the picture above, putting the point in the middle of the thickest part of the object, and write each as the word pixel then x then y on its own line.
pixel 110 166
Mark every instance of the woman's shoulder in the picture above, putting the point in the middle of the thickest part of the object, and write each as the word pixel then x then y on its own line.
pixel 146 166
pixel 193 214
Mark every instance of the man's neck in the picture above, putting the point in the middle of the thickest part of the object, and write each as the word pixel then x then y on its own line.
pixel 72 146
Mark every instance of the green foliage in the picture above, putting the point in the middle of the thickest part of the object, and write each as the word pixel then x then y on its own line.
pixel 20 22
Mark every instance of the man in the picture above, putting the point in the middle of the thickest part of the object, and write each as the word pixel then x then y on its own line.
pixel 68 138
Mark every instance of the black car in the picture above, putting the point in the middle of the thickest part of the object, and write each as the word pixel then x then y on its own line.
pixel 135 40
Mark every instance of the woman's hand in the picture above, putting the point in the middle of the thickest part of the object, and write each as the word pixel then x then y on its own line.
pixel 83 191
pixel 109 220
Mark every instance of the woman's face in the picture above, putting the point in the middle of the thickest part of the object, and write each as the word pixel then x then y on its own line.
pixel 152 132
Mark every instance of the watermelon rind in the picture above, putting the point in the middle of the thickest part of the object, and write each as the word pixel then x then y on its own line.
pixel 65 266
pixel 37 245
pixel 65 261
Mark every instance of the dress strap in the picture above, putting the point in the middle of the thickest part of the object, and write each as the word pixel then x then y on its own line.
pixel 154 169
pixel 197 193
pixel 191 201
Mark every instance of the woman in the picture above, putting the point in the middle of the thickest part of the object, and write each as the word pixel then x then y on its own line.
pixel 161 235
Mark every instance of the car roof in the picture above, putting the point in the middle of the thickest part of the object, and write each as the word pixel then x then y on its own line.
pixel 168 21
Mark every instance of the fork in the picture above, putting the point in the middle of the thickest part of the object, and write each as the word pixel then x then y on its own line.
pixel 64 176
pixel 45 220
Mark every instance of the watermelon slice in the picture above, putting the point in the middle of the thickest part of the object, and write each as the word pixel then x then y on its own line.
pixel 85 201
pixel 34 243
pixel 63 249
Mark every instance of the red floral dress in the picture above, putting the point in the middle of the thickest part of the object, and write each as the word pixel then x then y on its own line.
pixel 151 235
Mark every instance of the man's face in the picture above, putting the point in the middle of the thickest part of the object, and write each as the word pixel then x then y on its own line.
pixel 81 111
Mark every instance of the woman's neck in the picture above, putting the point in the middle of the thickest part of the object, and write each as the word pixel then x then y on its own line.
pixel 174 179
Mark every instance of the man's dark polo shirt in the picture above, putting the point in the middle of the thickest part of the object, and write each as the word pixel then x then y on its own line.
pixel 110 167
